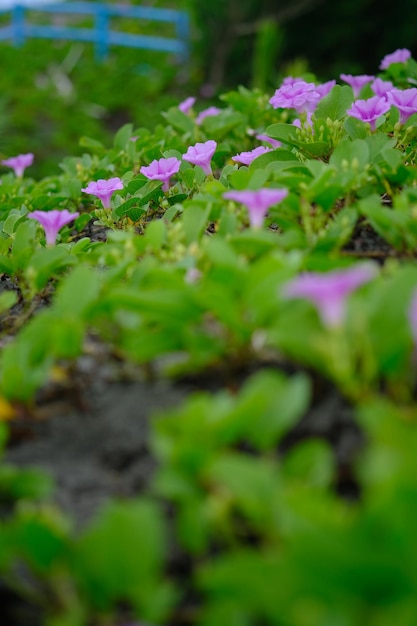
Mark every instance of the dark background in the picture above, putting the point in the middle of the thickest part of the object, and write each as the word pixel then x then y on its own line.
pixel 237 39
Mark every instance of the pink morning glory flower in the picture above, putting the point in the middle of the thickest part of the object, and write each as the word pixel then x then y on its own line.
pixel 329 291
pixel 399 56
pixel 19 163
pixel 210 112
pixel 405 100
pixel 369 110
pixel 325 88
pixel 104 189
pixel 201 154
pixel 272 142
pixel 246 158
pixel 161 169
pixel 186 105
pixel 257 202
pixel 297 95
pixel 381 87
pixel 357 82
pixel 52 222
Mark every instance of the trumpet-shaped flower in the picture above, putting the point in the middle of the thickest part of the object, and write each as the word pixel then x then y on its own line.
pixel 399 56
pixel 52 222
pixel 210 112
pixel 405 100
pixel 272 142
pixel 329 291
pixel 162 169
pixel 104 189
pixel 298 95
pixel 325 88
pixel 186 104
pixel 381 87
pixel 369 110
pixel 19 163
pixel 257 202
pixel 246 158
pixel 357 82
pixel 201 154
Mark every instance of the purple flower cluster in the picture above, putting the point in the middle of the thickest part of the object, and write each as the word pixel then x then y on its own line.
pixel 298 95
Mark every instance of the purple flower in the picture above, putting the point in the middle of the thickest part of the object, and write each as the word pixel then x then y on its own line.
pixel 257 202
pixel 186 104
pixel 297 95
pixel 325 88
pixel 19 163
pixel 399 56
pixel 405 100
pixel 246 158
pixel 52 222
pixel 329 291
pixel 210 112
pixel 272 142
pixel 201 154
pixel 104 189
pixel 161 169
pixel 357 82
pixel 369 110
pixel 381 87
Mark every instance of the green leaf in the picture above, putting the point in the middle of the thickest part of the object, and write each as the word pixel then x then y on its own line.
pixel 280 154
pixel 288 134
pixel 122 136
pixel 179 120
pixel 91 144
pixel 335 104
pixel 7 300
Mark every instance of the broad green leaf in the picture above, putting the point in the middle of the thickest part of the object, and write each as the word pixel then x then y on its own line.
pixel 335 104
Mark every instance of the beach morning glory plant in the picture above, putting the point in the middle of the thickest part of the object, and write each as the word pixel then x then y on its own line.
pixel 104 189
pixel 209 112
pixel 399 56
pixel 201 154
pixel 357 82
pixel 246 158
pixel 405 100
pixel 257 202
pixel 162 169
pixel 52 222
pixel 186 105
pixel 329 291
pixel 369 110
pixel 298 95
pixel 19 163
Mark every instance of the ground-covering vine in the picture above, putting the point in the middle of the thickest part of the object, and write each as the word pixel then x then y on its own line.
pixel 267 244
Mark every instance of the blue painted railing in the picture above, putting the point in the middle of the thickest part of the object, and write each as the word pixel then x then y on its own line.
pixel 101 34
